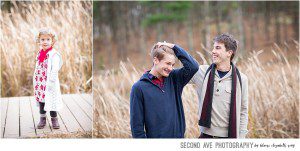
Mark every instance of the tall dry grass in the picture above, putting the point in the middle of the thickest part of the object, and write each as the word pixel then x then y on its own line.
pixel 72 22
pixel 273 97
pixel 79 134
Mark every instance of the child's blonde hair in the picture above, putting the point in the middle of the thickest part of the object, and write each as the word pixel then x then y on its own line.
pixel 46 31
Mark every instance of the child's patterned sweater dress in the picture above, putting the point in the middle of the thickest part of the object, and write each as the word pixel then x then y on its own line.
pixel 45 80
pixel 40 79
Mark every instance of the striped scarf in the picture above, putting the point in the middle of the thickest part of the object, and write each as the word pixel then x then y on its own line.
pixel 205 119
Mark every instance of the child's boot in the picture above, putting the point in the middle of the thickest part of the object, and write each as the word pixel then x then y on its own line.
pixel 42 122
pixel 55 123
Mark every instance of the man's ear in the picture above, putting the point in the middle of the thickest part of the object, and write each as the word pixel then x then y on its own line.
pixel 155 61
pixel 230 52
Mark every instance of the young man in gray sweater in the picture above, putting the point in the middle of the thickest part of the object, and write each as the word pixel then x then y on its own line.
pixel 222 92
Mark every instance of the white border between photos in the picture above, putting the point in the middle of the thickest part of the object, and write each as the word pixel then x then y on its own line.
pixel 148 145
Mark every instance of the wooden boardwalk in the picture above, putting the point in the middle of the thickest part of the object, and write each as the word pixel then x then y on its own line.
pixel 20 116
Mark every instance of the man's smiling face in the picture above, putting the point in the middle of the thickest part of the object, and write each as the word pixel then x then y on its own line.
pixel 165 66
pixel 219 53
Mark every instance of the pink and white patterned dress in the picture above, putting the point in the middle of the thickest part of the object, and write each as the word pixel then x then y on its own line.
pixel 40 80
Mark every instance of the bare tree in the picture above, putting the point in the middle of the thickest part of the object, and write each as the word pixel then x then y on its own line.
pixel 241 31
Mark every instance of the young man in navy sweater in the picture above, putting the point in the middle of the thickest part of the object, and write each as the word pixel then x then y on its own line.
pixel 156 109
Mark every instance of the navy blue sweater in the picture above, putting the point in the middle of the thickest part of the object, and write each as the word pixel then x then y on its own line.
pixel 158 112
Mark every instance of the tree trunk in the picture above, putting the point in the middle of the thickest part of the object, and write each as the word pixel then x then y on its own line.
pixel 143 42
pixel 277 27
pixel 190 33
pixel 218 17
pixel 296 24
pixel 252 31
pixel 267 22
pixel 285 29
pixel 241 29
pixel 159 26
pixel 206 30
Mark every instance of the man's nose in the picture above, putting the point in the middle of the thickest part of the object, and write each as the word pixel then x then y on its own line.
pixel 213 51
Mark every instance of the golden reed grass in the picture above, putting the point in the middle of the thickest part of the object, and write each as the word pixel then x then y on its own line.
pixel 273 98
pixel 72 22
pixel 76 135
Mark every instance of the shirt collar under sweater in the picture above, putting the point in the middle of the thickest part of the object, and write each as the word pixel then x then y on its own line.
pixel 155 80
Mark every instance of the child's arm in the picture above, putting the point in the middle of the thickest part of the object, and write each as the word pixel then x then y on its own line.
pixel 55 66
pixel 137 113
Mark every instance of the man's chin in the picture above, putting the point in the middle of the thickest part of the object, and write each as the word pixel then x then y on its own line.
pixel 166 75
pixel 215 61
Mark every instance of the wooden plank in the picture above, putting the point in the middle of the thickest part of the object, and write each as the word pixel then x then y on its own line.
pixel 69 119
pixel 4 107
pixel 80 116
pixel 36 117
pixel 20 116
pixel 88 98
pixel 27 128
pixel 86 108
pixel 62 128
pixel 12 120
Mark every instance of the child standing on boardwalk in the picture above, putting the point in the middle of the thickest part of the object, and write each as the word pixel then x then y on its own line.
pixel 45 80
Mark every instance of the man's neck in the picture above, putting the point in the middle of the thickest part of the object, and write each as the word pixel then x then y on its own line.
pixel 155 73
pixel 223 66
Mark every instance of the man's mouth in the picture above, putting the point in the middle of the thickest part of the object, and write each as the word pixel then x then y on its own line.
pixel 167 71
pixel 215 56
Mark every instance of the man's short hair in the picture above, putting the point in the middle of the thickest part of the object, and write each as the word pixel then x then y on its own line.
pixel 159 52
pixel 229 42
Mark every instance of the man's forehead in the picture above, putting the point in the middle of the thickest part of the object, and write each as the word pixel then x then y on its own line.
pixel 218 44
pixel 169 58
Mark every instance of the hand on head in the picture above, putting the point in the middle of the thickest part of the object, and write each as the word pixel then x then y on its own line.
pixel 159 44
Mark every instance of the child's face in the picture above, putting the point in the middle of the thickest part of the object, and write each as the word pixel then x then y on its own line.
pixel 45 41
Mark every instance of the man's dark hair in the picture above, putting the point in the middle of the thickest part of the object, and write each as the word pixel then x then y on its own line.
pixel 229 42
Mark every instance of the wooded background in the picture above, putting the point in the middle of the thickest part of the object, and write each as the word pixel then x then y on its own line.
pixel 129 29
pixel 268 54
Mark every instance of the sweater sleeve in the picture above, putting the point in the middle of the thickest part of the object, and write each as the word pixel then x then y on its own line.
pixel 244 109
pixel 198 78
pixel 190 66
pixel 54 68
pixel 137 113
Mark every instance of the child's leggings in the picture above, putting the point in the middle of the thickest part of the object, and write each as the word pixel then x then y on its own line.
pixel 42 111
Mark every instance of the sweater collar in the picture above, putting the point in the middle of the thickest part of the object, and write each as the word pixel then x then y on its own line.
pixel 227 75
